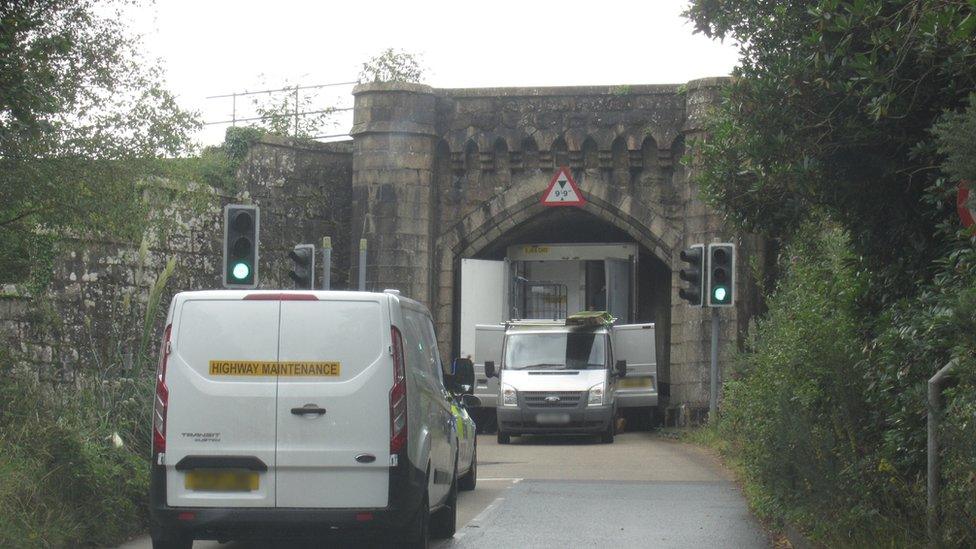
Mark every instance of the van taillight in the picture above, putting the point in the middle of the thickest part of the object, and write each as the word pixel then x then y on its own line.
pixel 161 400
pixel 398 396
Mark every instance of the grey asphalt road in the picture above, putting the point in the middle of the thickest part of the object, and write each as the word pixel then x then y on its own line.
pixel 642 491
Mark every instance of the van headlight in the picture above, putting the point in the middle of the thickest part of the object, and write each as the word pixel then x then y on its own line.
pixel 597 395
pixel 509 395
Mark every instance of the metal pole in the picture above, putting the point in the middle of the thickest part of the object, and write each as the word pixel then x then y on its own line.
pixel 713 386
pixel 362 264
pixel 296 111
pixel 934 469
pixel 326 263
pixel 233 110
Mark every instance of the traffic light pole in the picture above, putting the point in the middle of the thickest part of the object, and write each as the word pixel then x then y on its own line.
pixel 326 263
pixel 713 388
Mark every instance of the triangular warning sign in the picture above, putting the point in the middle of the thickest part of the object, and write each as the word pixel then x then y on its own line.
pixel 562 190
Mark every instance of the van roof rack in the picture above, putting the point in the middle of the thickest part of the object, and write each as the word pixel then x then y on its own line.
pixel 590 318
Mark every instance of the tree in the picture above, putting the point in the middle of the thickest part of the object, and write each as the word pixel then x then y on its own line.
pixel 830 112
pixel 83 115
pixel 278 113
pixel 392 66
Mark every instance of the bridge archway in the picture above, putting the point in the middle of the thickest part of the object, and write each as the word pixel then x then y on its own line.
pixel 516 216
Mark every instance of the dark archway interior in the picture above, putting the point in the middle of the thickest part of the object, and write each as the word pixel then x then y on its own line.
pixel 572 225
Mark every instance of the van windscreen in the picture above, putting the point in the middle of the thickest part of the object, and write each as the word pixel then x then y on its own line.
pixel 556 351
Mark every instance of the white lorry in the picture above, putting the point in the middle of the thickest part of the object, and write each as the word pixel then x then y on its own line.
pixel 551 377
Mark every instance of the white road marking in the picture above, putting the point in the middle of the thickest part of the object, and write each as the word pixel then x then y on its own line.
pixel 484 514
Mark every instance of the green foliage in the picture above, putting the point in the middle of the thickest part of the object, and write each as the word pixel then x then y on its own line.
pixel 278 113
pixel 82 115
pixel 63 483
pixel 830 113
pixel 393 66
pixel 956 135
pixel 826 411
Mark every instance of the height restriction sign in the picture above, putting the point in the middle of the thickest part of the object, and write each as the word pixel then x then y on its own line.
pixel 562 190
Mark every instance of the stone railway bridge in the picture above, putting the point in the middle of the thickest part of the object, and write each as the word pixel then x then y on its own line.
pixel 444 174
pixel 432 176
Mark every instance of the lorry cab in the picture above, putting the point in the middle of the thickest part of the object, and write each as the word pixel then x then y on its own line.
pixel 556 377
pixel 301 414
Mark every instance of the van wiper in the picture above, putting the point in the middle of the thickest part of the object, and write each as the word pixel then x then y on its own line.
pixel 543 366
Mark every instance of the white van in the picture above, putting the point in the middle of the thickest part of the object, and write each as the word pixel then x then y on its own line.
pixel 556 378
pixel 301 414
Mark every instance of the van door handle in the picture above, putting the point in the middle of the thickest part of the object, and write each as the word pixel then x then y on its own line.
pixel 308 409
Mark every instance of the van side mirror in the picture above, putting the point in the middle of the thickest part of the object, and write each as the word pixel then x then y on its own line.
pixel 621 368
pixel 470 401
pixel 490 369
pixel 464 376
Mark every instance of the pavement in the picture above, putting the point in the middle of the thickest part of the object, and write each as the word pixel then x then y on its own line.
pixel 539 492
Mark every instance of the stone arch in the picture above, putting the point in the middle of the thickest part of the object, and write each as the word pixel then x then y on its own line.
pixel 649 159
pixel 620 161
pixel 591 155
pixel 510 208
pixel 471 153
pixel 559 152
pixel 501 161
pixel 530 154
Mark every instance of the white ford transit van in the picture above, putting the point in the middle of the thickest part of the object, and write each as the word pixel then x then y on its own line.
pixel 556 378
pixel 301 414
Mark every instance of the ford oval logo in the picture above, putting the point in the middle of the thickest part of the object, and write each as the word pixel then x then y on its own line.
pixel 552 399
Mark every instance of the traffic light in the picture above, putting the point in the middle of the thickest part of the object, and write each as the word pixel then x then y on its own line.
pixel 241 225
pixel 303 272
pixel 694 274
pixel 721 274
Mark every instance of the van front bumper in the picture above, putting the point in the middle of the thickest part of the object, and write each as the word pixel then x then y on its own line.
pixel 407 485
pixel 583 420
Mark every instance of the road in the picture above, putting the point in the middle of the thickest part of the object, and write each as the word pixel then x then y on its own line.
pixel 642 491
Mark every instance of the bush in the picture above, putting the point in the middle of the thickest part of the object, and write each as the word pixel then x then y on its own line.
pixel 826 409
pixel 63 483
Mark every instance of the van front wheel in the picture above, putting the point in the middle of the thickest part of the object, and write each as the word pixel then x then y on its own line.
pixel 503 438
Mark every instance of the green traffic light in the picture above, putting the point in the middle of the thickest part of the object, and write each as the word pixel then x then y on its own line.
pixel 719 293
pixel 241 270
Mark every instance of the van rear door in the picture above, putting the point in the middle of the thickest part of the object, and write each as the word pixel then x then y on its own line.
pixel 221 415
pixel 333 403
pixel 635 343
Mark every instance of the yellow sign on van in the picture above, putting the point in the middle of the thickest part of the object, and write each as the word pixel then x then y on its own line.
pixel 261 368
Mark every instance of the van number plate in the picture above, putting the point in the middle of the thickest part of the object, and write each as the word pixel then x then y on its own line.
pixel 262 368
pixel 634 382
pixel 217 480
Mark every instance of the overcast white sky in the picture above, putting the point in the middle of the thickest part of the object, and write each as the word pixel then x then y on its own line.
pixel 213 47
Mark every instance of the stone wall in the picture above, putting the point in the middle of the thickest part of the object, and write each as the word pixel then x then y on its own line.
pixel 92 316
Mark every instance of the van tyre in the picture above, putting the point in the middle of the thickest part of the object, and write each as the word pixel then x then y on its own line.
pixel 171 541
pixel 470 479
pixel 503 438
pixel 418 537
pixel 443 523
pixel 607 436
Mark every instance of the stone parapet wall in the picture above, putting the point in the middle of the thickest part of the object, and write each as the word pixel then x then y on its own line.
pixel 91 317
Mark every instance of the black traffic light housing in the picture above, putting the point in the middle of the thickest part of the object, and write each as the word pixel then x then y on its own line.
pixel 241 230
pixel 721 274
pixel 303 270
pixel 694 274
